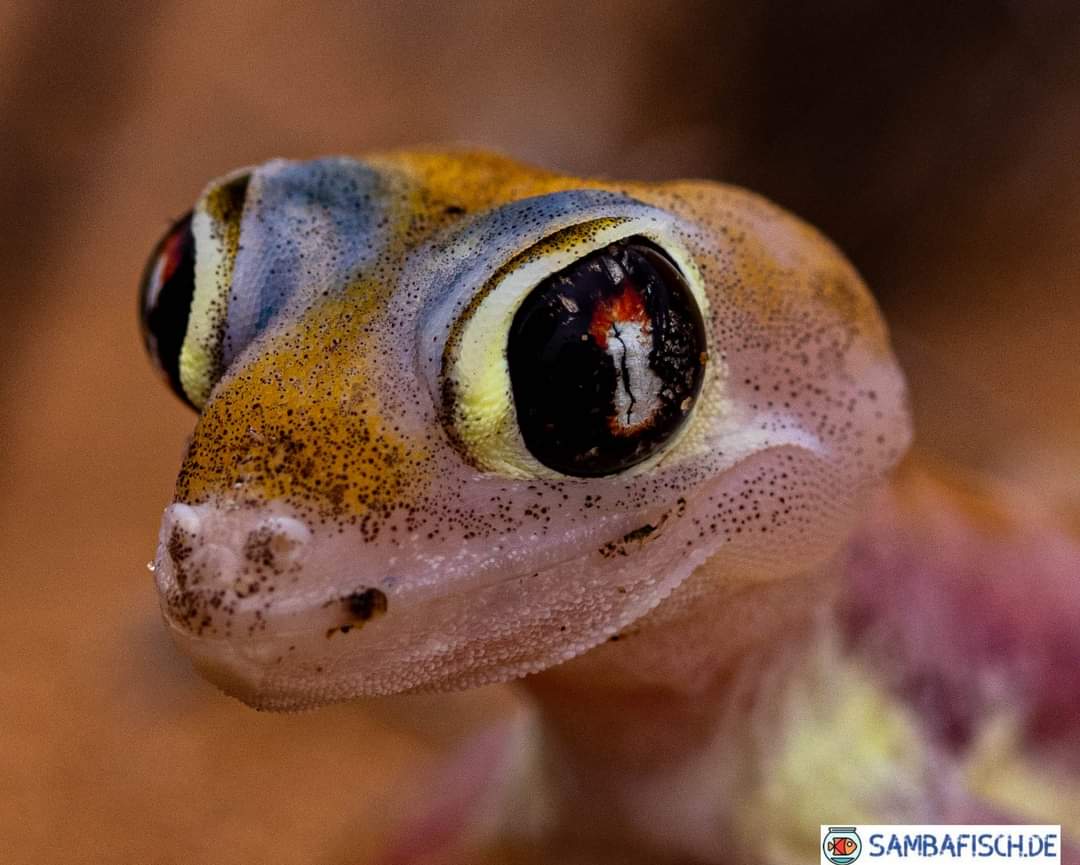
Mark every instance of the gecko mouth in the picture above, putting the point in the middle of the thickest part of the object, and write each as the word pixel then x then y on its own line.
pixel 262 613
pixel 269 614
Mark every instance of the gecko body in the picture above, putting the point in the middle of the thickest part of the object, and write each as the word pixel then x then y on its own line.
pixel 463 420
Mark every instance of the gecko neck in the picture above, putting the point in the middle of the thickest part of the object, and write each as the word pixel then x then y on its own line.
pixel 638 718
pixel 649 694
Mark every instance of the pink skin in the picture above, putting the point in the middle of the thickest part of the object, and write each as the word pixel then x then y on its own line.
pixel 933 601
pixel 964 592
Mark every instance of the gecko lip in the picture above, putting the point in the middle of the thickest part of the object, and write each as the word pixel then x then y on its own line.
pixel 226 570
pixel 228 574
pixel 319 637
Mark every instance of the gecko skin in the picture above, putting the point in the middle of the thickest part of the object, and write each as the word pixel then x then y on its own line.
pixel 403 478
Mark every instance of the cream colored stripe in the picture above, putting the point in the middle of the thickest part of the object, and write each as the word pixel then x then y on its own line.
pixel 216 229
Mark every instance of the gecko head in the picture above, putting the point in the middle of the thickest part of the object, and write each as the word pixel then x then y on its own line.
pixel 461 420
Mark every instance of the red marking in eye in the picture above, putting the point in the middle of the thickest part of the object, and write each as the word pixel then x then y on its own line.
pixel 625 307
pixel 171 253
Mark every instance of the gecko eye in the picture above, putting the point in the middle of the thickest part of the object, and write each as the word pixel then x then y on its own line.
pixel 583 356
pixel 165 295
pixel 185 292
pixel 606 358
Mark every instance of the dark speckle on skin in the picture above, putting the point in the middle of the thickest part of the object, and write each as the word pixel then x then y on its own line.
pixel 258 549
pixel 366 603
pixel 639 535
pixel 180 547
pixel 361 605
pixel 179 544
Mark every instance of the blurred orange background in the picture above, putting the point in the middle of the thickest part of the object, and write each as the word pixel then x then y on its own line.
pixel 938 144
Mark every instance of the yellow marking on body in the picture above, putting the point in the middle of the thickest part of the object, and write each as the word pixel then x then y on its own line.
pixel 846 750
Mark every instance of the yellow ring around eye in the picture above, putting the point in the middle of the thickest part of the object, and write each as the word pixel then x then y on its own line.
pixel 477 394
pixel 215 225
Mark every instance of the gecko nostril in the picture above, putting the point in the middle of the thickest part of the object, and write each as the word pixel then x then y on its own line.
pixel 276 543
pixel 218 568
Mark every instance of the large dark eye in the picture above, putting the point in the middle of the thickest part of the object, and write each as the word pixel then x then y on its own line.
pixel 606 359
pixel 168 285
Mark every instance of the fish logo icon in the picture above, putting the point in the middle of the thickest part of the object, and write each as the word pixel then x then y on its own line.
pixel 842 845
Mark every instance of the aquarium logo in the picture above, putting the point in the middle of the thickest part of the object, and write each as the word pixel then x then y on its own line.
pixel 954 844
pixel 841 845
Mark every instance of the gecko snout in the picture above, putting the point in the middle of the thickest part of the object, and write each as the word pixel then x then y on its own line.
pixel 218 569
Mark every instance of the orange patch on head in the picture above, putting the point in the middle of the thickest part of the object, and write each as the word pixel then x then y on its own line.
pixel 303 424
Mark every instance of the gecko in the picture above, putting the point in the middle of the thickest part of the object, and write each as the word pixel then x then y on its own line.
pixel 463 421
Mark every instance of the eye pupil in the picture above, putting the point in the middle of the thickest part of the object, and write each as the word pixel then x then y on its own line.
pixel 168 286
pixel 606 359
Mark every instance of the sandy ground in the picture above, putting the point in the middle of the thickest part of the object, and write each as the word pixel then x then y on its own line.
pixel 110 748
